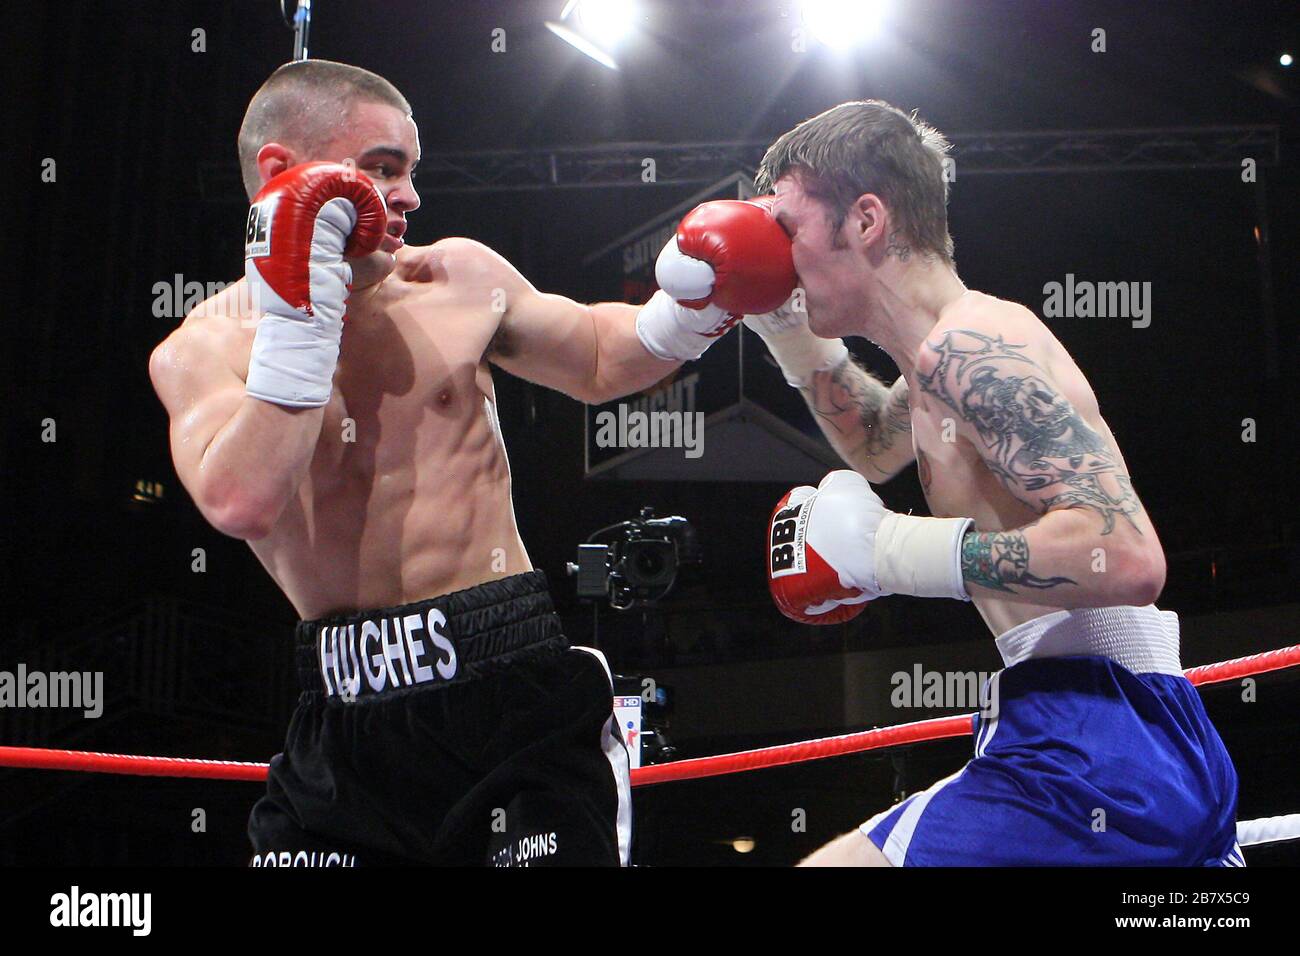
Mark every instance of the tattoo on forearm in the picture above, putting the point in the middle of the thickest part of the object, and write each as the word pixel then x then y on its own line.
pixel 1034 439
pixel 999 559
pixel 858 407
pixel 898 413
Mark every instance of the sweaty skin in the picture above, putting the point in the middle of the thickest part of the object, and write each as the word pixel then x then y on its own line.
pixel 1010 430
pixel 398 489
pixel 407 493
pixel 1004 428
pixel 1003 425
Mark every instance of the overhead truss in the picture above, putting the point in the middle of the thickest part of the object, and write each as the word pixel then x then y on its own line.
pixel 674 164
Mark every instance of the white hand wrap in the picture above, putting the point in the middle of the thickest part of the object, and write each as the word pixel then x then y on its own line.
pixel 797 351
pixel 294 354
pixel 675 333
pixel 921 556
pixel 293 361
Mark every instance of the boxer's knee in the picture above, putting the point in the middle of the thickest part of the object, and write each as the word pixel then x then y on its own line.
pixel 851 849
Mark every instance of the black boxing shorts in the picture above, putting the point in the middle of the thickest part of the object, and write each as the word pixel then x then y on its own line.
pixel 461 730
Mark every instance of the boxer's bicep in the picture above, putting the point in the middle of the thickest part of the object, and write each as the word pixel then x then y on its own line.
pixel 548 340
pixel 1026 429
pixel 897 450
pixel 590 352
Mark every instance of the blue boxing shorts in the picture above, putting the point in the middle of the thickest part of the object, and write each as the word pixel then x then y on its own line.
pixel 1094 751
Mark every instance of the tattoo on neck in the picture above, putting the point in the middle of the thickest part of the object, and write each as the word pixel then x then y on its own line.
pixel 898 246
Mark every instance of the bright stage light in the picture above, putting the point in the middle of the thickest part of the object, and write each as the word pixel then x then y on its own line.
pixel 606 21
pixel 840 24
pixel 595 27
pixel 1285 59
pixel 581 43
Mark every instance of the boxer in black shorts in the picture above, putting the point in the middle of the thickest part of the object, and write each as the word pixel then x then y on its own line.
pixel 460 730
pixel 336 409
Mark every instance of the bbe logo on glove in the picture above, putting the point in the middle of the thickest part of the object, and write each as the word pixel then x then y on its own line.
pixel 786 551
pixel 257 237
pixel 805 586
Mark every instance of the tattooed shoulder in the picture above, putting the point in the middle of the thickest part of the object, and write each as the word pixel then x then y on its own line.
pixel 1030 435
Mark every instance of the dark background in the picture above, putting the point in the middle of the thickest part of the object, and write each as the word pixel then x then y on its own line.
pixel 136 122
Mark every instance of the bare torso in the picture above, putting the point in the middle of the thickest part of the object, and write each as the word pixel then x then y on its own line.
pixel 408 492
pixel 953 474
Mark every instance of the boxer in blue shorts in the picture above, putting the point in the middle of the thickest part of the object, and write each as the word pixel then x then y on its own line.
pixel 1099 751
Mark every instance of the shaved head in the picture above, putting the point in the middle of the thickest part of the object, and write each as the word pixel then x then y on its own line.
pixel 303 105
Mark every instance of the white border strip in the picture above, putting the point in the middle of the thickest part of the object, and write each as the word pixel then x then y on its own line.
pixel 1268 829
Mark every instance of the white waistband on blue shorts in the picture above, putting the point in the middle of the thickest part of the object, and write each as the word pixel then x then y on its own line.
pixel 1143 640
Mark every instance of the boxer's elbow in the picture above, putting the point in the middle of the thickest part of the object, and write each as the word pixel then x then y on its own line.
pixel 599 392
pixel 238 513
pixel 611 380
pixel 246 528
pixel 1141 575
pixel 1153 580
pixel 246 524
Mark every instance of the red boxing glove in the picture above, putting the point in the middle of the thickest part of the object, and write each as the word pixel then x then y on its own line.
pixel 283 220
pixel 302 226
pixel 804 586
pixel 737 245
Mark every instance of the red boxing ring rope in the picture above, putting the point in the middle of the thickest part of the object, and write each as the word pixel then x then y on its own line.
pixel 934 729
pixel 922 730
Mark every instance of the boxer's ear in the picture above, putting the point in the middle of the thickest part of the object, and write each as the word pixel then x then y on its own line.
pixel 867 218
pixel 273 159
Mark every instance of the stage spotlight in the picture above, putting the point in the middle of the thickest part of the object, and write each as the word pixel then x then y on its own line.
pixel 581 44
pixel 594 27
pixel 1285 59
pixel 840 24
pixel 606 21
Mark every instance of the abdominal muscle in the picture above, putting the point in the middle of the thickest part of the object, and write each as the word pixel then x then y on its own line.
pixel 422 511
